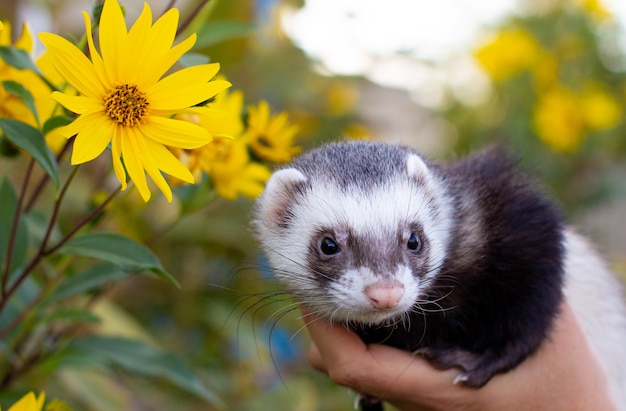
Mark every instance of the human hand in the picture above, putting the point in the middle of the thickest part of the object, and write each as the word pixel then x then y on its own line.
pixel 562 375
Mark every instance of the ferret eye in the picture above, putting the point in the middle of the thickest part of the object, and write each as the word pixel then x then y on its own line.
pixel 414 243
pixel 329 246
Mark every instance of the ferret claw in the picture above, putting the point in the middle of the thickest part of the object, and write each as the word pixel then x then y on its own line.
pixel 461 378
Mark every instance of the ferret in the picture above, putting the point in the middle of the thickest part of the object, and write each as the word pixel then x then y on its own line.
pixel 465 263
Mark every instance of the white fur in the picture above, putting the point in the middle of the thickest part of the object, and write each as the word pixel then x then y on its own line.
pixel 596 298
pixel 348 293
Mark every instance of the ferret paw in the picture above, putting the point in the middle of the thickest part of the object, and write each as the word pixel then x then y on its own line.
pixel 476 369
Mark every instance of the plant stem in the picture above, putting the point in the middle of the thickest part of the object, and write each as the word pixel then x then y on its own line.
pixel 82 223
pixel 43 250
pixel 192 16
pixel 13 235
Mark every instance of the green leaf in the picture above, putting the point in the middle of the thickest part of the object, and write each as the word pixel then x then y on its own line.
pixel 55 122
pixel 88 280
pixel 24 295
pixel 30 139
pixel 139 358
pixel 119 250
pixel 17 89
pixel 17 58
pixel 8 207
pixel 73 315
pixel 217 31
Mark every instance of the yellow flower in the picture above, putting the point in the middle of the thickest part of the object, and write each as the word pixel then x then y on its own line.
pixel 558 120
pixel 562 118
pixel 11 106
pixel 124 99
pixel 224 122
pixel 271 137
pixel 511 52
pixel 29 402
pixel 222 117
pixel 595 8
pixel 233 173
pixel 599 108
pixel 54 138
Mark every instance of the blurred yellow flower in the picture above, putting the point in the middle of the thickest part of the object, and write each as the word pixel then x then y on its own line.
pixel 29 402
pixel 230 123
pixel 563 118
pixel 600 109
pixel 558 121
pixel 57 405
pixel 271 137
pixel 340 99
pixel 224 122
pixel 24 41
pixel 233 173
pixel 130 105
pixel 54 138
pixel 509 53
pixel 595 8
pixel 12 106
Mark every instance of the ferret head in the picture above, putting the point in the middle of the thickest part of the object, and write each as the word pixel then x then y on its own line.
pixel 355 231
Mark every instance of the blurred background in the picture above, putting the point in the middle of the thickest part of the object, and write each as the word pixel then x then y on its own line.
pixel 545 78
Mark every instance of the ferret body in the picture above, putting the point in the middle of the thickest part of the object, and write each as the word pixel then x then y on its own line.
pixel 466 263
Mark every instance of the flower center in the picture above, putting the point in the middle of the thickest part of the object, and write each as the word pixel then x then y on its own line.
pixel 126 105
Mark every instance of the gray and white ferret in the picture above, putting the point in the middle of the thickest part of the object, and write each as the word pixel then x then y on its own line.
pixel 466 263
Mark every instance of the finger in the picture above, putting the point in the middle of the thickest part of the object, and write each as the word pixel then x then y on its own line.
pixel 328 337
pixel 316 360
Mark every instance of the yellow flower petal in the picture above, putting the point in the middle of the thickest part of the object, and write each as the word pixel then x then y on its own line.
pixel 29 402
pixel 176 133
pixel 169 163
pixel 96 59
pixel 186 87
pixel 25 41
pixel 142 51
pixel 116 147
pixel 93 138
pixel 113 34
pixel 152 169
pixel 78 104
pixel 72 65
pixel 173 55
pixel 154 48
pixel 132 156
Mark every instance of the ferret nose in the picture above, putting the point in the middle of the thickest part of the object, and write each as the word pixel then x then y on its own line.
pixel 384 295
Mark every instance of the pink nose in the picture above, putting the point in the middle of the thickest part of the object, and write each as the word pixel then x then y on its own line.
pixel 384 295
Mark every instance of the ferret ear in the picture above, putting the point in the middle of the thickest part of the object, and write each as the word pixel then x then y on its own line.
pixel 279 194
pixel 417 168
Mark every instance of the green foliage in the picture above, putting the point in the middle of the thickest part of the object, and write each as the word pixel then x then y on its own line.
pixel 117 249
pixel 17 58
pixel 135 357
pixel 32 141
